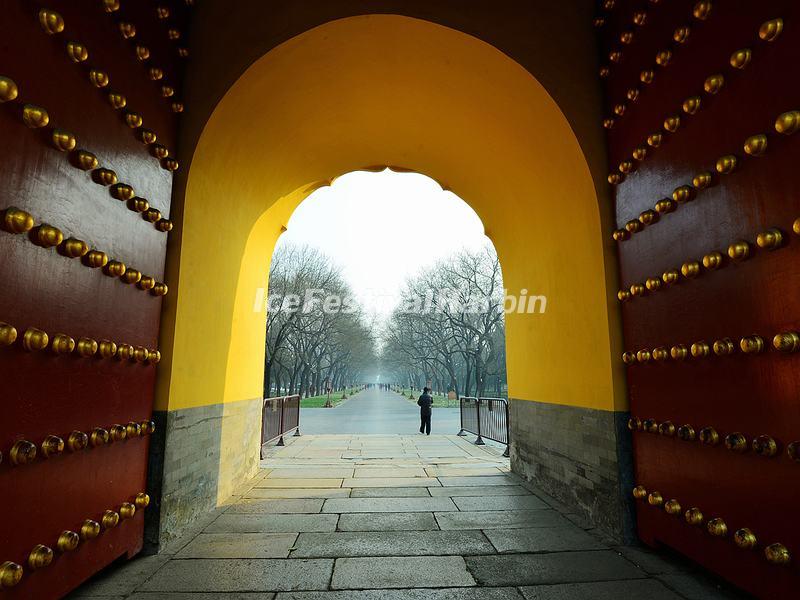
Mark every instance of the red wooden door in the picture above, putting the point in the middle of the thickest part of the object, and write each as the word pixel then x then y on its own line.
pixel 699 100
pixel 81 176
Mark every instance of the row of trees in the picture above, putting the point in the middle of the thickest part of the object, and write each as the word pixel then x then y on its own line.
pixel 317 336
pixel 449 328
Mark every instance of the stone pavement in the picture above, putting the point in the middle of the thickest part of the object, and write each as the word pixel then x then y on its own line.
pixel 376 411
pixel 377 517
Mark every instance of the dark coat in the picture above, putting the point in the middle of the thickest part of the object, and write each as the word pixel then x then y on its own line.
pixel 425 402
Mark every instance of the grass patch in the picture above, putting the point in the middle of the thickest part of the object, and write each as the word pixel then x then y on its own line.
pixel 319 401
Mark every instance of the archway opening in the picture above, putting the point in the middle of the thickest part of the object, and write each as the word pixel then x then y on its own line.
pixel 366 93
pixel 384 282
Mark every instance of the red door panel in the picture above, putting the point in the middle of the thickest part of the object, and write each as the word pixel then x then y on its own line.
pixel 753 394
pixel 43 393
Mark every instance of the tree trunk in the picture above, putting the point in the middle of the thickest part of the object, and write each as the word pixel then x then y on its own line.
pixel 269 381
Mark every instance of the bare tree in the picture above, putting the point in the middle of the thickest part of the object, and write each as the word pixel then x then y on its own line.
pixel 457 338
pixel 316 334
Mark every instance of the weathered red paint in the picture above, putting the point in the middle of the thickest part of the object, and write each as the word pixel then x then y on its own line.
pixel 751 394
pixel 42 393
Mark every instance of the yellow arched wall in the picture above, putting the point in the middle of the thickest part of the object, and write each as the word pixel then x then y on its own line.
pixel 389 90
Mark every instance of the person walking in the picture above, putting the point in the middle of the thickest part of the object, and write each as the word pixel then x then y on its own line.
pixel 425 403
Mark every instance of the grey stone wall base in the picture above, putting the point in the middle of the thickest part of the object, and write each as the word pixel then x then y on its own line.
pixel 580 456
pixel 198 455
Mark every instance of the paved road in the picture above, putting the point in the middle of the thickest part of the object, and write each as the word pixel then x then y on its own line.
pixel 376 411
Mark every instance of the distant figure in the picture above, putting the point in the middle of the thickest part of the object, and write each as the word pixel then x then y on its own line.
pixel 425 402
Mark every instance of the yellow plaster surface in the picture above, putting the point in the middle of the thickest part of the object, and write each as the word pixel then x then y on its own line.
pixel 383 90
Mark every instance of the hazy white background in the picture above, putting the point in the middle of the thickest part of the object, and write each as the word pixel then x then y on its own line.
pixel 381 228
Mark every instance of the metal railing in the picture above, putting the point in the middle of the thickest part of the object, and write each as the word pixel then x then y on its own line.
pixel 279 416
pixel 487 418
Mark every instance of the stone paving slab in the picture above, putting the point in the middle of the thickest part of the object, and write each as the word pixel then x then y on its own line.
pixel 394 505
pixel 423 462
pixel 467 459
pixel 370 455
pixel 103 597
pixel 411 543
pixel 320 453
pixel 386 462
pixel 492 490
pixel 542 539
pixel 201 596
pixel 477 503
pixel 277 505
pixel 175 544
pixel 400 572
pixel 304 483
pixel 478 480
pixel 560 567
pixel 387 522
pixel 289 452
pixel 272 462
pixel 123 579
pixel 500 519
pixel 437 441
pixel 392 543
pixel 693 587
pixel 234 523
pixel 468 463
pixel 239 545
pixel 441 453
pixel 384 472
pixel 308 472
pixel 641 589
pixel 312 465
pixel 319 441
pixel 247 575
pixel 391 464
pixel 390 482
pixel 653 562
pixel 461 471
pixel 389 442
pixel 379 440
pixel 413 492
pixel 409 594
pixel 479 451
pixel 298 493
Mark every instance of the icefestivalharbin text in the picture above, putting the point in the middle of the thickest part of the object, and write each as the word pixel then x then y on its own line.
pixel 430 301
